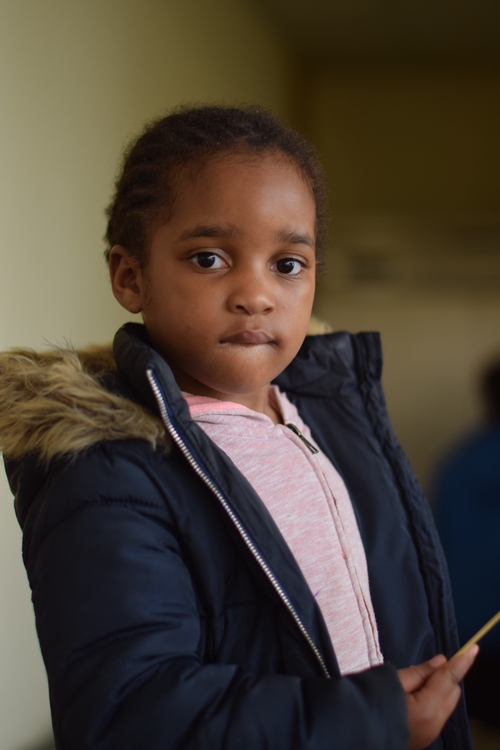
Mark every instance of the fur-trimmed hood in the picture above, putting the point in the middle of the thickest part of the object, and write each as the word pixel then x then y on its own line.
pixel 54 404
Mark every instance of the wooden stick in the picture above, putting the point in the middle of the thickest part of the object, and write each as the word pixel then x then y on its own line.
pixel 485 629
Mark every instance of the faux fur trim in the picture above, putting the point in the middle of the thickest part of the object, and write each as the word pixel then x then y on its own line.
pixel 52 404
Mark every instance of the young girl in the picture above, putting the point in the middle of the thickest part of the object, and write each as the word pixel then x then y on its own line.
pixel 225 544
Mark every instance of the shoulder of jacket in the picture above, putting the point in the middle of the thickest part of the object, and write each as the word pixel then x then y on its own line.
pixel 53 404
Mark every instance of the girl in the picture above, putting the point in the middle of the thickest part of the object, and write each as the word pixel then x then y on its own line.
pixel 218 562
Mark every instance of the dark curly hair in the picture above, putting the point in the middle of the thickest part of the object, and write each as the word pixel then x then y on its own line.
pixel 145 188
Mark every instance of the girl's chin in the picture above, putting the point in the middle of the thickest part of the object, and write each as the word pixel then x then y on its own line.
pixel 235 377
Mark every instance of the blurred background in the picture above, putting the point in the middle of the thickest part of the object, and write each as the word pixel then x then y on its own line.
pixel 402 100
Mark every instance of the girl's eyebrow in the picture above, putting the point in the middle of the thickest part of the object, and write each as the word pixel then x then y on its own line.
pixel 294 238
pixel 229 231
pixel 215 230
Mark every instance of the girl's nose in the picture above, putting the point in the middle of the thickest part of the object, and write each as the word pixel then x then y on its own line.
pixel 250 295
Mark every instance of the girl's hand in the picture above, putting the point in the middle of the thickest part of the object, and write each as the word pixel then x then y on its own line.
pixel 432 692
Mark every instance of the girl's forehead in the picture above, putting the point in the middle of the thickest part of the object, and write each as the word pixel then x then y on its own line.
pixel 228 176
pixel 258 189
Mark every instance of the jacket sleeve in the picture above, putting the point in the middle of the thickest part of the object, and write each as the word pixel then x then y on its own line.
pixel 119 627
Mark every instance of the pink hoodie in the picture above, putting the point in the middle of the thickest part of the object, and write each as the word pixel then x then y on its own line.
pixel 311 507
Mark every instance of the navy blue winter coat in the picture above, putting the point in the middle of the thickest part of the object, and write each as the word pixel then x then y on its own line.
pixel 170 611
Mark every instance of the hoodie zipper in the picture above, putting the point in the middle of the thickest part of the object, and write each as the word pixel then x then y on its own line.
pixel 237 523
pixel 306 442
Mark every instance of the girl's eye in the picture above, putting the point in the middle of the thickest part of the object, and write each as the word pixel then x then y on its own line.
pixel 208 260
pixel 289 266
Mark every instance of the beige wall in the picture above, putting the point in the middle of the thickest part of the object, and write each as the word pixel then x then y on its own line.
pixel 413 162
pixel 76 80
pixel 408 141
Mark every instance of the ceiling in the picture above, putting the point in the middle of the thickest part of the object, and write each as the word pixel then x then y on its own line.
pixel 385 32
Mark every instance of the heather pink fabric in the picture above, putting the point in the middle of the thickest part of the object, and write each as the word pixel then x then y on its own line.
pixel 309 502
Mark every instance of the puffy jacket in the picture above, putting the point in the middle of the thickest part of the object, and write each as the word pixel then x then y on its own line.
pixel 170 611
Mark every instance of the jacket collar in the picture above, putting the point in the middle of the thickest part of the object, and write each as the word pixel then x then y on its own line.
pixel 324 366
pixel 329 364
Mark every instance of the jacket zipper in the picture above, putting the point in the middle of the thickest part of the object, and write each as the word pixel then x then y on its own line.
pixel 306 442
pixel 237 523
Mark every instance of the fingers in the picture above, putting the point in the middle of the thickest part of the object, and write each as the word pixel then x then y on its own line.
pixel 442 693
pixel 430 706
pixel 412 678
pixel 429 709
pixel 437 661
pixel 442 684
pixel 460 665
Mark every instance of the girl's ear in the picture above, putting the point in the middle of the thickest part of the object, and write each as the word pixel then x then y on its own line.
pixel 126 279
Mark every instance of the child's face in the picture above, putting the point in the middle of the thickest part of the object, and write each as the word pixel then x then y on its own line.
pixel 228 290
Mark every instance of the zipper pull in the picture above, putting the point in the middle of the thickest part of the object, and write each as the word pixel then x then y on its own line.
pixel 295 429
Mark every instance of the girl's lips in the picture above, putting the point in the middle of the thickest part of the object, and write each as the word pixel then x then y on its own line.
pixel 248 337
